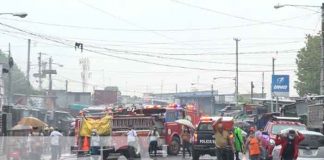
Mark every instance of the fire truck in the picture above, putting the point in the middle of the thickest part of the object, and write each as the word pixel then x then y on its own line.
pixel 143 120
pixel 164 121
pixel 115 143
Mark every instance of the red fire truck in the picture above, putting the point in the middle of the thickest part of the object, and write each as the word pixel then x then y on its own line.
pixel 115 143
pixel 143 121
pixel 169 130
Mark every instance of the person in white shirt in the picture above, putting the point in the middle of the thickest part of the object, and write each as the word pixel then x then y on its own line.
pixel 55 143
pixel 131 140
pixel 153 137
pixel 95 144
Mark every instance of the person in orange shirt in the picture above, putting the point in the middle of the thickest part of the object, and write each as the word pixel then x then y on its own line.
pixel 253 144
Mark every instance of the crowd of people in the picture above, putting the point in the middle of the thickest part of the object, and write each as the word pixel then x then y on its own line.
pixel 231 142
pixel 40 142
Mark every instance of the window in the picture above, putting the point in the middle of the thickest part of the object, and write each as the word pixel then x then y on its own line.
pixel 77 98
pixel 277 128
pixel 205 127
pixel 171 116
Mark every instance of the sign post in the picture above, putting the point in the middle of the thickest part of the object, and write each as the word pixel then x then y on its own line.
pixel 280 87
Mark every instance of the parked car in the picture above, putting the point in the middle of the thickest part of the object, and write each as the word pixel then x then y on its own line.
pixel 311 148
pixel 274 127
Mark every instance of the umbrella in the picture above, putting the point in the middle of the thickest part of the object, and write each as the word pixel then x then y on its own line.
pixel 185 122
pixel 32 121
pixel 21 127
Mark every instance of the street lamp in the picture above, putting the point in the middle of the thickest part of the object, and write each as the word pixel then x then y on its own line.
pixel 18 14
pixel 60 65
pixel 322 40
pixel 223 78
pixel 292 5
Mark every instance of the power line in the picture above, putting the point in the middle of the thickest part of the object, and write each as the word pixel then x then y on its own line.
pixel 181 59
pixel 250 45
pixel 149 30
pixel 189 60
pixel 123 19
pixel 237 17
pixel 126 58
pixel 172 58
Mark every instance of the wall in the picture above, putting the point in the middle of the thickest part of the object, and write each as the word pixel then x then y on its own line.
pixel 105 97
pixel 64 99
pixel 79 98
pixel 60 100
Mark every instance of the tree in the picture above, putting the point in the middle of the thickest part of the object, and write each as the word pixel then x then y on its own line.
pixel 19 81
pixel 308 66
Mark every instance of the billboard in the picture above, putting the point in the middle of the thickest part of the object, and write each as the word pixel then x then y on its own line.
pixel 280 85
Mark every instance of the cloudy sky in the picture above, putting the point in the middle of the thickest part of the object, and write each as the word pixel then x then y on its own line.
pixel 154 45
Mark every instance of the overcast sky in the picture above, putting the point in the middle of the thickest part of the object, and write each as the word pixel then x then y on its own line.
pixel 145 45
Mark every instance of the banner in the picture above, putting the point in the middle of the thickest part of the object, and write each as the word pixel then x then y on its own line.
pixel 103 126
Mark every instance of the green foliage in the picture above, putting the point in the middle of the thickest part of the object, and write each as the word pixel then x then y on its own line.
pixel 308 66
pixel 19 81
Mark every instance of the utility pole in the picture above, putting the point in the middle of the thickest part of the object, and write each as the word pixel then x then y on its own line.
pixel 236 77
pixel 9 77
pixel 50 61
pixel 212 99
pixel 66 85
pixel 273 65
pixel 263 85
pixel 322 53
pixel 40 70
pixel 66 92
pixel 176 88
pixel 252 87
pixel 273 73
pixel 28 69
pixel 161 89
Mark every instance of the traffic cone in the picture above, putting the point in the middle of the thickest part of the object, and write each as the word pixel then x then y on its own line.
pixel 85 145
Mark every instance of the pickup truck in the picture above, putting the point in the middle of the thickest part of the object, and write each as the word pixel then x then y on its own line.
pixel 204 140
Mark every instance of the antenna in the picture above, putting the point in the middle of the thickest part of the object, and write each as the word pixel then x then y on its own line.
pixel 85 74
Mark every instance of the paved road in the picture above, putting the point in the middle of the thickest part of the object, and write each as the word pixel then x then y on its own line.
pixel 159 157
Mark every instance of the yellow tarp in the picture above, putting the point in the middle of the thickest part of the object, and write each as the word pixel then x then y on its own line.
pixel 103 126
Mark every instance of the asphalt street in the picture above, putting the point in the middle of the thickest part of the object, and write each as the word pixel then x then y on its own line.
pixel 159 157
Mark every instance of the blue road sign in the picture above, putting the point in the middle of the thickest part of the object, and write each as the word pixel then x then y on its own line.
pixel 280 85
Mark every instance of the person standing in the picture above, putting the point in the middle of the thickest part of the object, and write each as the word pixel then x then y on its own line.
pixel 289 144
pixel 95 143
pixel 223 142
pixel 153 137
pixel 131 140
pixel 55 143
pixel 238 142
pixel 253 144
pixel 185 136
